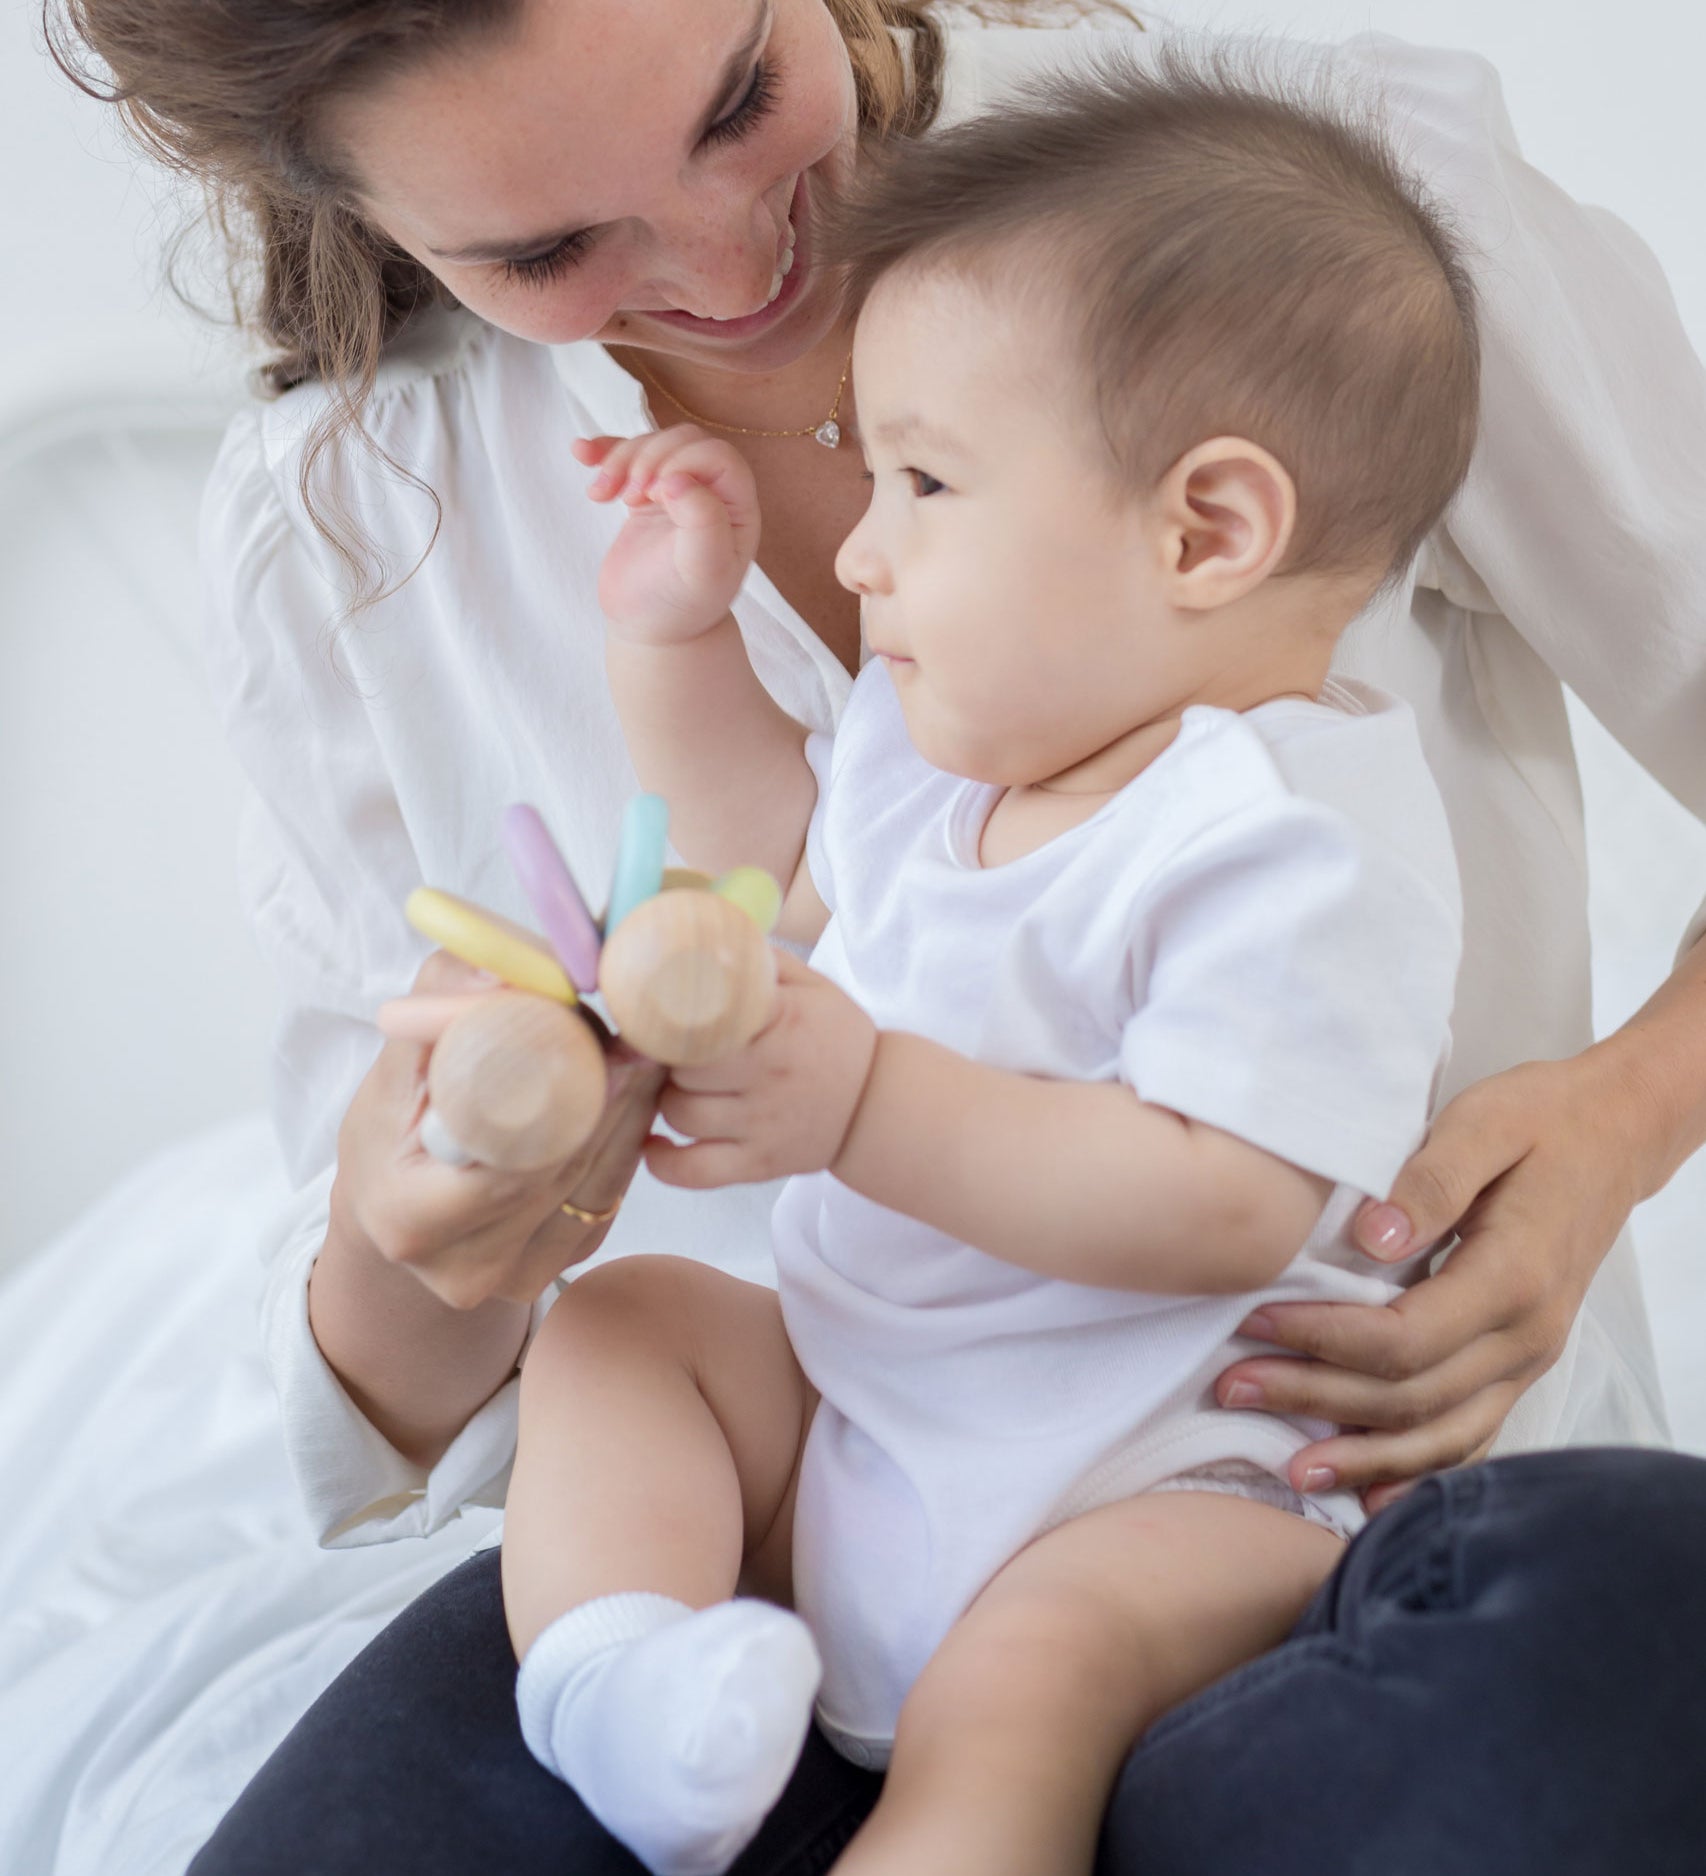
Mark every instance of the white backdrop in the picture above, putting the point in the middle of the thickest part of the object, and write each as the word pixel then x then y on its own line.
pixel 131 1008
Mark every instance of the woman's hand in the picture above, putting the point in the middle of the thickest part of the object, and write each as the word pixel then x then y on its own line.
pixel 691 533
pixel 471 1234
pixel 1537 1171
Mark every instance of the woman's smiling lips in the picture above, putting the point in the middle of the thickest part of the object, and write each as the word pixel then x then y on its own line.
pixel 795 257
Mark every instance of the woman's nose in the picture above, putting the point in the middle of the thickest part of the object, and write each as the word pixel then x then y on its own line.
pixel 725 270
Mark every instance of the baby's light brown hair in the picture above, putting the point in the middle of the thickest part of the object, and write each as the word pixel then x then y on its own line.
pixel 1232 256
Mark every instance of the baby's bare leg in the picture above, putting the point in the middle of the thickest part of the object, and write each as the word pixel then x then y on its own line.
pixel 662 1415
pixel 1008 1746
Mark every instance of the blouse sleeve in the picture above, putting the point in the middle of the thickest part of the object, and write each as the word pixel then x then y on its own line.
pixel 1583 519
pixel 324 865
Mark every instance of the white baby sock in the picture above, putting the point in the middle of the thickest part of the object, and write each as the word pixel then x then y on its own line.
pixel 677 1728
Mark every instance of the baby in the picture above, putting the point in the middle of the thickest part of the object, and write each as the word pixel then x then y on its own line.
pixel 1136 942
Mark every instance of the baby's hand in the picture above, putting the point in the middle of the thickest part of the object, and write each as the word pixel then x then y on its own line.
pixel 691 533
pixel 784 1103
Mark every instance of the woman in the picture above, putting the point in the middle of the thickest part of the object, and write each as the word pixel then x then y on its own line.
pixel 634 191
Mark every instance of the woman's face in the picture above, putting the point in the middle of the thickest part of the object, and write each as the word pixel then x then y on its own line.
pixel 633 173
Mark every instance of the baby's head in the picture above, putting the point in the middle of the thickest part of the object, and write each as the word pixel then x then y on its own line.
pixel 1159 378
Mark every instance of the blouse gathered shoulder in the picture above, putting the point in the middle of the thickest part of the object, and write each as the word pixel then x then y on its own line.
pixel 381 749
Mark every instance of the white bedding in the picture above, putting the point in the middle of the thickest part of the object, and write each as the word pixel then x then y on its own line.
pixel 164 1614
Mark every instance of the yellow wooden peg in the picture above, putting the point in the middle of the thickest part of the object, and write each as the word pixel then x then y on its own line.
pixel 489 943
pixel 755 892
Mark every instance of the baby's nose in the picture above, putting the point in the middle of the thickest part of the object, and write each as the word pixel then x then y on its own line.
pixel 858 565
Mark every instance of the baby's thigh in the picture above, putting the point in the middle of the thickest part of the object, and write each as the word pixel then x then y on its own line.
pixel 1113 1618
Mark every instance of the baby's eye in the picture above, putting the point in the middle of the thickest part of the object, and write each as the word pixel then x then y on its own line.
pixel 923 484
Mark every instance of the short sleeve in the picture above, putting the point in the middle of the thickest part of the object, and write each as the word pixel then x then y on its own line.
pixel 1297 989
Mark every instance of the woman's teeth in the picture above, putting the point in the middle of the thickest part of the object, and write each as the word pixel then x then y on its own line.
pixel 784 267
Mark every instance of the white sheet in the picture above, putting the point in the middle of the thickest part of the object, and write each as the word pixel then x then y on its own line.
pixel 164 1614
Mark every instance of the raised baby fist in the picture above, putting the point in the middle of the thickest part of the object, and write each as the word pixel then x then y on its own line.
pixel 691 533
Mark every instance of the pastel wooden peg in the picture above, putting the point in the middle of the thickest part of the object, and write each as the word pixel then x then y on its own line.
pixel 639 858
pixel 688 977
pixel 553 894
pixel 515 1082
pixel 755 892
pixel 488 942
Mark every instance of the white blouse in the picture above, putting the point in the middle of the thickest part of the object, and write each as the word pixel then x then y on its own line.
pixel 383 751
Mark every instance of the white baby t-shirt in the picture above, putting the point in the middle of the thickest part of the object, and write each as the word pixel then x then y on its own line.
pixel 1260 932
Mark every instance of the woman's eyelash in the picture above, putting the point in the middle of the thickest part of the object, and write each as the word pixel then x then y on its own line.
pixel 758 101
pixel 534 270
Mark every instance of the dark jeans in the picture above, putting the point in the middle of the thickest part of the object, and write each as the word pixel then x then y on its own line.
pixel 1506 1676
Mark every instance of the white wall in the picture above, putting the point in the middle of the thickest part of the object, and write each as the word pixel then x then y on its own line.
pixel 1606 99
pixel 81 296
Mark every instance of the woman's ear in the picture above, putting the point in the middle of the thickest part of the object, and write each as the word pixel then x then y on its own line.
pixel 1227 512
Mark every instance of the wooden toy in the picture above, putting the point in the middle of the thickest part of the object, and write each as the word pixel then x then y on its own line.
pixel 682 978
pixel 516 1081
pixel 517 1077
pixel 488 942
pixel 639 858
pixel 551 889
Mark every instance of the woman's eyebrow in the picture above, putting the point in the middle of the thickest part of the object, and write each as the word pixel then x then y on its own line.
pixel 734 76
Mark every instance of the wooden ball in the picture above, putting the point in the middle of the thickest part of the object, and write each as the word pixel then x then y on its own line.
pixel 688 977
pixel 517 1081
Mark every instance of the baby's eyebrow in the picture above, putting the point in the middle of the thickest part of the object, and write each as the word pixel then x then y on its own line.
pixel 898 432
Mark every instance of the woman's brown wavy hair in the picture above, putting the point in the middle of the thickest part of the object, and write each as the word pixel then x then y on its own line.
pixel 230 96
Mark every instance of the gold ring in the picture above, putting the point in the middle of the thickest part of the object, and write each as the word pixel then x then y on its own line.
pixel 589 1218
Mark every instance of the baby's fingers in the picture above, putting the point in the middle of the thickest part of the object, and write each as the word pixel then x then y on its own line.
pixel 592 450
pixel 615 459
pixel 704 1166
pixel 628 465
pixel 705 548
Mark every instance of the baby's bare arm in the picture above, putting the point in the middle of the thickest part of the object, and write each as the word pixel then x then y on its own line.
pixel 1009 1744
pixel 707 736
pixel 702 730
pixel 1077 1180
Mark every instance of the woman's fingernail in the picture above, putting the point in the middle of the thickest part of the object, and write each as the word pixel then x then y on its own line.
pixel 1384 1231
pixel 1320 1479
pixel 1259 1327
pixel 1243 1394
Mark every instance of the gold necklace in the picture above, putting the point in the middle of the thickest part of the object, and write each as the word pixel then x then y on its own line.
pixel 828 433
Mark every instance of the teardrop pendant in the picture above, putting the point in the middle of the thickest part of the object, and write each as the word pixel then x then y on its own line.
pixel 828 433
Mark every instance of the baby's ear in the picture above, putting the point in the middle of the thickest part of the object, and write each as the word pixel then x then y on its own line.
pixel 1227 510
